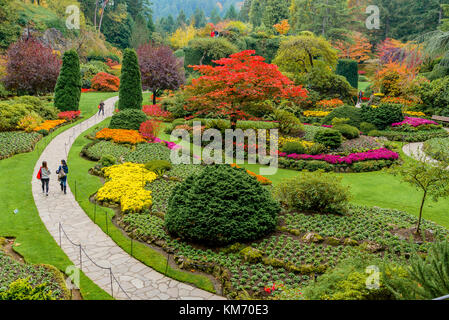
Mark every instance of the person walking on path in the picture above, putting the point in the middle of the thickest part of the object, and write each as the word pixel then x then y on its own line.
pixel 101 108
pixel 44 176
pixel 62 172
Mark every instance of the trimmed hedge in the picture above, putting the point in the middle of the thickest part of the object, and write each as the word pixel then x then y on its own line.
pixel 221 205
pixel 350 70
pixel 416 136
pixel 314 165
pixel 129 119
pixel 329 138
pixel 68 86
pixel 130 92
pixel 382 116
pixel 346 112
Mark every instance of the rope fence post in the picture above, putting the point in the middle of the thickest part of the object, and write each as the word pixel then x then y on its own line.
pixel 132 247
pixel 81 258
pixel 112 286
pixel 107 230
pixel 95 211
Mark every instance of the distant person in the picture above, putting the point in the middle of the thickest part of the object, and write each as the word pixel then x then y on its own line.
pixel 101 108
pixel 62 172
pixel 360 96
pixel 44 176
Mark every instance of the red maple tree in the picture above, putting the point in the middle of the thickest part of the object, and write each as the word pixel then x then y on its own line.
pixel 358 48
pixel 105 82
pixel 238 85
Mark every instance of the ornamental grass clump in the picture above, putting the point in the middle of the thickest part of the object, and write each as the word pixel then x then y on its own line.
pixel 126 186
pixel 221 205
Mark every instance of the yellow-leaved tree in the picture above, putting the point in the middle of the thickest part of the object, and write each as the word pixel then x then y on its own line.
pixel 182 36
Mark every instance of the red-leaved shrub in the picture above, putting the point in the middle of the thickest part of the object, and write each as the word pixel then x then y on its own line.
pixel 156 111
pixel 150 129
pixel 69 115
pixel 105 82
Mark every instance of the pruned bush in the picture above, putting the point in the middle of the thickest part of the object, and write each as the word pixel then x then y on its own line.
pixel 129 119
pixel 316 192
pixel 294 147
pixel 366 127
pixel 383 115
pixel 329 138
pixel 288 123
pixel 348 112
pixel 348 131
pixel 221 205
pixel 107 160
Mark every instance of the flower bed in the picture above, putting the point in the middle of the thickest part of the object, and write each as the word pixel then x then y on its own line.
pixel 414 122
pixel 330 104
pixel 16 142
pixel 49 125
pixel 120 136
pixel 312 113
pixel 261 179
pixel 379 154
pixel 415 113
pixel 412 136
pixel 127 187
pixel 69 115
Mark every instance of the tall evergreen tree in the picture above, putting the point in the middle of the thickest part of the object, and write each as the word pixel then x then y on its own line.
pixel 200 18
pixel 275 11
pixel 181 20
pixel 139 33
pixel 244 11
pixel 130 92
pixel 9 28
pixel 68 86
pixel 232 13
pixel 215 16
pixel 256 12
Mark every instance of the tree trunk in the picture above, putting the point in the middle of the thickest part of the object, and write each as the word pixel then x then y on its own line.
pixel 102 14
pixel 154 97
pixel 95 15
pixel 420 212
pixel 233 121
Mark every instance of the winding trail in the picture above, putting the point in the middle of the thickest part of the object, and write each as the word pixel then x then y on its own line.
pixel 138 281
pixel 415 151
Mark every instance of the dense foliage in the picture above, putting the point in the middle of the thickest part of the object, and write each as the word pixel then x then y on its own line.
pixel 221 205
pixel 68 86
pixel 128 119
pixel 130 93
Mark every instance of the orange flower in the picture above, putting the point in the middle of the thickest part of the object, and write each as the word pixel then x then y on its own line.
pixel 120 135
pixel 49 124
pixel 259 178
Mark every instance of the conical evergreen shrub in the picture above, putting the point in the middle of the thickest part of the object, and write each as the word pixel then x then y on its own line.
pixel 68 86
pixel 130 92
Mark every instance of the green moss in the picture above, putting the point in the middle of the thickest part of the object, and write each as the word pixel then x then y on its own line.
pixel 350 242
pixel 251 254
pixel 333 241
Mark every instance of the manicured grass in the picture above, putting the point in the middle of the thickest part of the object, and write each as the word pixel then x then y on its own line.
pixel 379 189
pixel 33 241
pixel 87 185
pixel 364 85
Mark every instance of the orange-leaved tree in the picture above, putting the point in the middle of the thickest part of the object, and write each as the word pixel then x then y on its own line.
pixel 283 27
pixel 358 48
pixel 105 82
pixel 238 85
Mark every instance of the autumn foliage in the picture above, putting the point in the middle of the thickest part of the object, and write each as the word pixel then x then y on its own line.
pixel 238 85
pixel 358 48
pixel 105 82
pixel 150 129
pixel 283 27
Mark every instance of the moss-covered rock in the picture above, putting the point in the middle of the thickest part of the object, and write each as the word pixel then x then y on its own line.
pixel 351 242
pixel 312 237
pixel 333 241
pixel 251 254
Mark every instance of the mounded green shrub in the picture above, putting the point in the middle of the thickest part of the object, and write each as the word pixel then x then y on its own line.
pixel 68 86
pixel 382 116
pixel 288 123
pixel 129 119
pixel 107 160
pixel 316 192
pixel 350 70
pixel 366 127
pixel 348 131
pixel 221 205
pixel 158 166
pixel 294 147
pixel 329 138
pixel 347 112
pixel 130 92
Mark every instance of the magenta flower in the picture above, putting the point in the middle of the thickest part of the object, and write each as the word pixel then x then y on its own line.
pixel 414 122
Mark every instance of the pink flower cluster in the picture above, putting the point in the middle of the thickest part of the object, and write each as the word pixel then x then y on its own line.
pixel 155 110
pixel 378 154
pixel 414 122
pixel 170 145
pixel 324 125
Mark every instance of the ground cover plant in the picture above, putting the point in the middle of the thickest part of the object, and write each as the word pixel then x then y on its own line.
pixel 15 142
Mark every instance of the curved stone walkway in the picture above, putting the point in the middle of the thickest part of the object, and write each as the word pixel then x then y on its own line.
pixel 415 151
pixel 138 280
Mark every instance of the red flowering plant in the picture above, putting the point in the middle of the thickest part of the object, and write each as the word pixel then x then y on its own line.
pixel 273 288
pixel 238 85
pixel 150 129
pixel 155 111
pixel 69 115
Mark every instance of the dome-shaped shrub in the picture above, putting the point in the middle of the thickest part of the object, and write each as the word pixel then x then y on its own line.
pixel 221 205
pixel 129 119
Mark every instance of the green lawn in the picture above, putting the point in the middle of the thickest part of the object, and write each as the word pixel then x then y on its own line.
pixel 379 189
pixel 33 241
pixel 364 85
pixel 87 185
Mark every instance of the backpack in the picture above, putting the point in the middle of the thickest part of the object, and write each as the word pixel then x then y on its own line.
pixel 61 173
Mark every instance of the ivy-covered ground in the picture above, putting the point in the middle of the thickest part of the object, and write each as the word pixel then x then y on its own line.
pixel 15 142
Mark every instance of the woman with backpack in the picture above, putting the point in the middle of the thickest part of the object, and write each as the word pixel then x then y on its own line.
pixel 62 172
pixel 44 176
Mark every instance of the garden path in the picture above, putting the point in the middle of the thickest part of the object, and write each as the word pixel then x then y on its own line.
pixel 415 151
pixel 138 280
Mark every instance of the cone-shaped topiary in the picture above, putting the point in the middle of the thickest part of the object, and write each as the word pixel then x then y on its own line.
pixel 221 205
pixel 68 86
pixel 130 92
